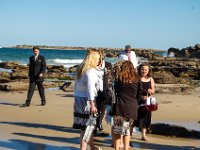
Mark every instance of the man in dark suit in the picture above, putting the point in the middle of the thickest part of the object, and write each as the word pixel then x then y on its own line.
pixel 37 69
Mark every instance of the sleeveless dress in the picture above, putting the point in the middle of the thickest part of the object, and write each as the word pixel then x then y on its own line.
pixel 144 117
pixel 126 107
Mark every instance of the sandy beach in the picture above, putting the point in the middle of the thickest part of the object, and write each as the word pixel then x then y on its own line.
pixel 49 127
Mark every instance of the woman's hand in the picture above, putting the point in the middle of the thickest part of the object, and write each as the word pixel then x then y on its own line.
pixel 144 98
pixel 150 91
pixel 93 109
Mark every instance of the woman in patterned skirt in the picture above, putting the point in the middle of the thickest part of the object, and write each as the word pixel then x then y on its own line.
pixel 85 93
pixel 127 90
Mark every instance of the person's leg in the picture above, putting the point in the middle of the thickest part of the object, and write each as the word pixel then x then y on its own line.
pixel 83 144
pixel 148 124
pixel 126 141
pixel 117 141
pixel 30 92
pixel 132 129
pixel 41 92
pixel 91 143
pixel 102 114
pixel 144 134
pixel 98 102
pixel 113 137
pixel 122 142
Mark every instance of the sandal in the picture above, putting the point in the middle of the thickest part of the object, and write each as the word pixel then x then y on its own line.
pixel 98 148
pixel 144 139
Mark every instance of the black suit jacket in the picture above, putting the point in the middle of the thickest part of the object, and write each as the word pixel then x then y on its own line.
pixel 36 67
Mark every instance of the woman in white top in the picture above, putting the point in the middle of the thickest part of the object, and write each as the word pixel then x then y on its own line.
pixel 85 93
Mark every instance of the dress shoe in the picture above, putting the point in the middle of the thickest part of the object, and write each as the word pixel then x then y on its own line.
pixel 25 105
pixel 43 103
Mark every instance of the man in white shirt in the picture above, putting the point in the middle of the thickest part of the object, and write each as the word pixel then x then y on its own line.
pixel 127 54
pixel 101 101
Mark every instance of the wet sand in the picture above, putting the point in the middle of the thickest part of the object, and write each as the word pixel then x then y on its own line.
pixel 49 127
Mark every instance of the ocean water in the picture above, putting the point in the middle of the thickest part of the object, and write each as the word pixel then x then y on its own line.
pixel 164 54
pixel 67 58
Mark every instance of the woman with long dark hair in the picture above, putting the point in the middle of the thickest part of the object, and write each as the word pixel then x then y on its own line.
pixel 127 90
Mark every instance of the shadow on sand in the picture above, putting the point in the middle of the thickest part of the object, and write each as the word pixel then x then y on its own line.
pixel 155 146
pixel 17 144
pixel 9 104
pixel 45 126
pixel 66 95
pixel 99 141
pixel 75 140
pixel 145 145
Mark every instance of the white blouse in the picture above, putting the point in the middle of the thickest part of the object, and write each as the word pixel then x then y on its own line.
pixel 86 85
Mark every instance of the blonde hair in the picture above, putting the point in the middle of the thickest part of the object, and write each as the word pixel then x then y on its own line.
pixel 91 60
pixel 102 56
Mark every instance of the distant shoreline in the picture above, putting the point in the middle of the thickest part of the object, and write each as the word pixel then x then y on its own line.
pixel 78 48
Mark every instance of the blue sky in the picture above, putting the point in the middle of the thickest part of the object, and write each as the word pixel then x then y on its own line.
pixel 158 24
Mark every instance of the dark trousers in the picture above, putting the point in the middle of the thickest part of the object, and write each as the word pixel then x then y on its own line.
pixel 31 90
pixel 101 107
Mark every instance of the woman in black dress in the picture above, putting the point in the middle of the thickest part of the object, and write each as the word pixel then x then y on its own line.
pixel 127 90
pixel 148 88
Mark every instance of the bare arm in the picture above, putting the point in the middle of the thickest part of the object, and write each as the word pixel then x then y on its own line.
pixel 93 108
pixel 151 91
pixel 91 89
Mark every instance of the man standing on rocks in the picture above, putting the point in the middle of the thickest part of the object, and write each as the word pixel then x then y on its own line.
pixel 37 69
pixel 127 54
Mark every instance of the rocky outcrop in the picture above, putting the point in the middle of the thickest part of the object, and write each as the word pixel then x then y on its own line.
pixel 23 86
pixel 112 54
pixel 4 77
pixel 73 68
pixel 58 72
pixel 175 88
pixel 147 54
pixel 54 68
pixel 9 65
pixel 17 79
pixel 166 77
pixel 175 70
pixel 19 74
pixel 188 52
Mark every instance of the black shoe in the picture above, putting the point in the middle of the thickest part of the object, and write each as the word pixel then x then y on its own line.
pixel 25 105
pixel 43 103
pixel 101 133
pixel 100 127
